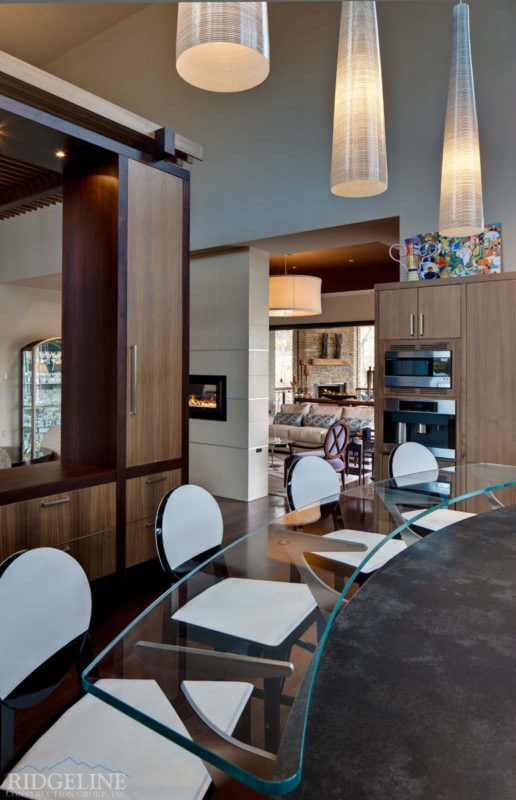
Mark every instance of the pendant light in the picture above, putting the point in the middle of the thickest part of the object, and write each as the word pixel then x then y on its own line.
pixel 294 295
pixel 222 47
pixel 461 212
pixel 359 160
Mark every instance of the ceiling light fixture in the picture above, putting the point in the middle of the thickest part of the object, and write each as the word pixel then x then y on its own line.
pixel 223 47
pixel 294 295
pixel 461 212
pixel 359 160
pixel 60 154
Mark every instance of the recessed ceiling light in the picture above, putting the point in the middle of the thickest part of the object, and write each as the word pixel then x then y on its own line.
pixel 351 260
pixel 60 154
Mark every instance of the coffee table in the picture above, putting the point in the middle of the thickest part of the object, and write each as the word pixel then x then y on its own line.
pixel 275 441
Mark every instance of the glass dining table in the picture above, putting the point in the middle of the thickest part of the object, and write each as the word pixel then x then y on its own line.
pixel 241 702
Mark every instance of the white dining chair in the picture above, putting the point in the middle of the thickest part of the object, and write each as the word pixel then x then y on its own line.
pixel 260 617
pixel 408 459
pixel 45 610
pixel 312 480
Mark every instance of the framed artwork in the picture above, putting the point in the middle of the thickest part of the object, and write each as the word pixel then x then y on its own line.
pixel 442 257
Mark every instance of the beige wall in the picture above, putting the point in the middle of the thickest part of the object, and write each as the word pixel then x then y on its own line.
pixel 267 151
pixel 229 335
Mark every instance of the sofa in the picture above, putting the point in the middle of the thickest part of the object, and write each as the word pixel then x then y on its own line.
pixel 306 424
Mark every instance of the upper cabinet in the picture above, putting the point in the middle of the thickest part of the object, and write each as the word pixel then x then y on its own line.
pixel 156 336
pixel 426 312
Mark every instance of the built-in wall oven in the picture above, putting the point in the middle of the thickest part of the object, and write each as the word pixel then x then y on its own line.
pixel 419 369
pixel 428 421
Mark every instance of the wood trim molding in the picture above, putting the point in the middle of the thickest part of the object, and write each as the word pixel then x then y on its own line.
pixel 42 90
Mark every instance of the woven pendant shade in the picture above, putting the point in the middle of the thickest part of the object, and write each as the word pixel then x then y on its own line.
pixel 461 212
pixel 359 160
pixel 223 47
pixel 294 296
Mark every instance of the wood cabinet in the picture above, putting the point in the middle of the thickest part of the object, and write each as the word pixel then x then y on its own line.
pixel 427 312
pixel 143 496
pixel 155 330
pixel 82 522
pixel 477 313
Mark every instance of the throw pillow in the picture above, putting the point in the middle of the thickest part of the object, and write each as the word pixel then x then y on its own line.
pixel 356 424
pixel 320 420
pixel 288 419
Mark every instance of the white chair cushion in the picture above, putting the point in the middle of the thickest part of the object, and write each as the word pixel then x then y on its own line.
pixel 218 703
pixel 97 741
pixel 266 612
pixel 389 549
pixel 435 520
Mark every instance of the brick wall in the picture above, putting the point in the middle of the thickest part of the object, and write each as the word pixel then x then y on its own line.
pixel 308 345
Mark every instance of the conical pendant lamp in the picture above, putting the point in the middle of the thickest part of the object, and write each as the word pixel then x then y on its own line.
pixel 462 211
pixel 359 160
pixel 223 47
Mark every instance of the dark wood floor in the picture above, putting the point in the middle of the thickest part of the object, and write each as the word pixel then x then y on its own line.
pixel 116 607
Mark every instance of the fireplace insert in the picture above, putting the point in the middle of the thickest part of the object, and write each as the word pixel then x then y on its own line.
pixel 207 397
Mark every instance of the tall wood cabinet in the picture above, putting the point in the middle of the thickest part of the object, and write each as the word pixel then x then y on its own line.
pixel 476 317
pixel 124 439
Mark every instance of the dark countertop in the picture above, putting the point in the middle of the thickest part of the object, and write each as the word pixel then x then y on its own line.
pixel 415 695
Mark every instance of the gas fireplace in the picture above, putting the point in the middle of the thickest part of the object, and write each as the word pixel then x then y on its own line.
pixel 207 397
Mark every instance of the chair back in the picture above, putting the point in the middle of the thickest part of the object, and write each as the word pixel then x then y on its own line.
pixel 336 440
pixel 45 604
pixel 411 457
pixel 310 480
pixel 188 523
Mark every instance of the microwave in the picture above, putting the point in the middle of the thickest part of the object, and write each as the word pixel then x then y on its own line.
pixel 419 368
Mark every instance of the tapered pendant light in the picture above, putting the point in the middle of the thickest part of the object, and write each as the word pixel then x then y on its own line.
pixel 223 47
pixel 294 295
pixel 359 160
pixel 461 212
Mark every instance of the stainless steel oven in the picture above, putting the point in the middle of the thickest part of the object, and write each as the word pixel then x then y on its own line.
pixel 419 368
pixel 427 421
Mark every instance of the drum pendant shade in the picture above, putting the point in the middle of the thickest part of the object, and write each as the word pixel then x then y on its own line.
pixel 359 160
pixel 294 296
pixel 461 211
pixel 223 47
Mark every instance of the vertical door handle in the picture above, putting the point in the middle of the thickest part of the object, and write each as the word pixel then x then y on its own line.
pixel 134 386
pixel 412 324
pixel 421 325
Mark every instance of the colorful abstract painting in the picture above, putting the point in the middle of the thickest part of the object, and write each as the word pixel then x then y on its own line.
pixel 442 257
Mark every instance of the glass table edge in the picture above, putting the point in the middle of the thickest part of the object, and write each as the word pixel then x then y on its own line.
pixel 288 784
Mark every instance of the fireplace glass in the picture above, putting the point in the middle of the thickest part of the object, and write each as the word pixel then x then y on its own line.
pixel 207 397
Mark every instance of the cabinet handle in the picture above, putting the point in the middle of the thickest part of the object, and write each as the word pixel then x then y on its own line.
pixel 134 367
pixel 159 479
pixel 48 503
pixel 149 524
pixel 421 326
pixel 412 324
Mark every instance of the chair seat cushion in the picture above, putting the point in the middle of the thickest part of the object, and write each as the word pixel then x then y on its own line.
pixel 218 703
pixel 99 743
pixel 389 549
pixel 266 612
pixel 435 520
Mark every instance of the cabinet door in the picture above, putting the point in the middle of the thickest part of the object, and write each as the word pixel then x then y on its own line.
pixel 154 315
pixel 439 312
pixel 143 497
pixel 397 313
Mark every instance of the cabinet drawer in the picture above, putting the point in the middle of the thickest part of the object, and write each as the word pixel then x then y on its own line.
pixel 95 553
pixel 139 542
pixel 63 517
pixel 144 493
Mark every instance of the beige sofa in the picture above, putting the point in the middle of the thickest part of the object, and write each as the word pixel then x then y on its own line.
pixel 297 423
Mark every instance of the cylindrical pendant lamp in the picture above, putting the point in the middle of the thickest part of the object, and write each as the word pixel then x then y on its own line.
pixel 462 211
pixel 294 296
pixel 223 47
pixel 359 160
